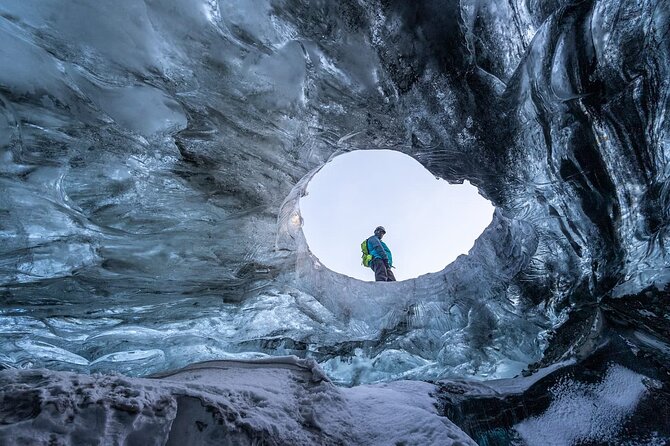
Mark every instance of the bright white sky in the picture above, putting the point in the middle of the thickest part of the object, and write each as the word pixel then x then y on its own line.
pixel 428 222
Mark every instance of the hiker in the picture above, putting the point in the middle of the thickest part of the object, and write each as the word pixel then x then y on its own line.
pixel 382 261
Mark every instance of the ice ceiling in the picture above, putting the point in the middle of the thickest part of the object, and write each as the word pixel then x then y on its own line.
pixel 153 155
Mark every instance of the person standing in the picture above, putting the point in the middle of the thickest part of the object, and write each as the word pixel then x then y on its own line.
pixel 382 261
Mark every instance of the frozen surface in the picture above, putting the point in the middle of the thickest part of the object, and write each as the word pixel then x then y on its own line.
pixel 591 401
pixel 152 159
pixel 282 401
pixel 153 155
pixel 582 412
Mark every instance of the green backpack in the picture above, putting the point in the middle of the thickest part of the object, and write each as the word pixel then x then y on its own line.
pixel 366 254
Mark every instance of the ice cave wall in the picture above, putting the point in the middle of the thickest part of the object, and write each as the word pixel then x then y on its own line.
pixel 153 154
pixel 562 110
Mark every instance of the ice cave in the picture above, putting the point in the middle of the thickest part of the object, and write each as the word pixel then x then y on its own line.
pixel 156 285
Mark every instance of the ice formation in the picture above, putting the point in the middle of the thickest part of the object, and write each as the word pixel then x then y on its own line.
pixel 154 154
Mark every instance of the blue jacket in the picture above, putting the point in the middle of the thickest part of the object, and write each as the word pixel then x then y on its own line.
pixel 379 250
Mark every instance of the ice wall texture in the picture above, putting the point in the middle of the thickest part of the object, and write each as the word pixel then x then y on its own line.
pixel 154 154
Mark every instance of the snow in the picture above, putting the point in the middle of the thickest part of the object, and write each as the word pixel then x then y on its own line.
pixel 583 412
pixel 282 400
pixel 401 413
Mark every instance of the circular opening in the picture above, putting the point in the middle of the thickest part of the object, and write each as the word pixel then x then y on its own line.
pixel 429 222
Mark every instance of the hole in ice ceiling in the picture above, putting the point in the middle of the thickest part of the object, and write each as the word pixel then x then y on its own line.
pixel 429 222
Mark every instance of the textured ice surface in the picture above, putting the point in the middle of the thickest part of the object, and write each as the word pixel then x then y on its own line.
pixel 144 173
pixel 592 401
pixel 280 401
pixel 154 153
pixel 593 412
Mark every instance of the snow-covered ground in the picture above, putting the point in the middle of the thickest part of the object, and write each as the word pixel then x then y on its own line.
pixel 290 401
pixel 275 401
pixel 582 412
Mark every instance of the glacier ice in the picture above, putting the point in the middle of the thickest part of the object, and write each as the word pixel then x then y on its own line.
pixel 596 413
pixel 153 155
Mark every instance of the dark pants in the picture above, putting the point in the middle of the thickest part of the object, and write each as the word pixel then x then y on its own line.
pixel 382 273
